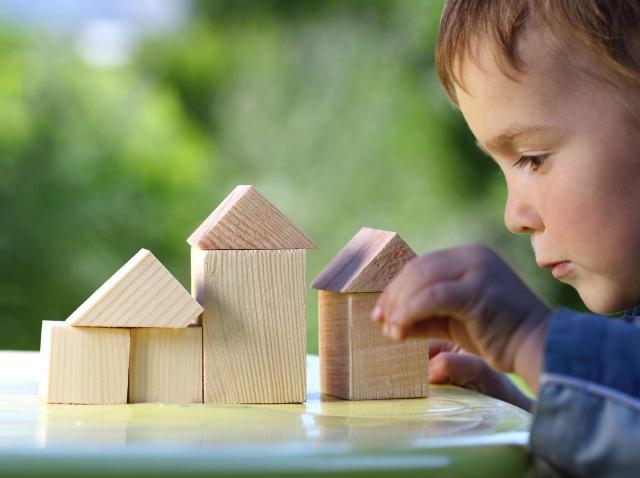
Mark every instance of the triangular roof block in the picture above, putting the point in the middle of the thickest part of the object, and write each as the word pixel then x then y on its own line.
pixel 142 293
pixel 247 220
pixel 366 264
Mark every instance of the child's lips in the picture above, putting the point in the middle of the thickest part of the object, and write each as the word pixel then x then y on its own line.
pixel 558 269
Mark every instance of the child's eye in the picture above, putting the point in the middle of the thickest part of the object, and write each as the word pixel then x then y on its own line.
pixel 534 161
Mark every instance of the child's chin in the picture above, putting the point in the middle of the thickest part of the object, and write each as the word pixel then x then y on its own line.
pixel 601 303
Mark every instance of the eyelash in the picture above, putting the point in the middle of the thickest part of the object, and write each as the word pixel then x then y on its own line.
pixel 534 161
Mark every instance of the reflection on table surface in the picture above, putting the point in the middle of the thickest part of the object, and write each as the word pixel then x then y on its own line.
pixel 450 416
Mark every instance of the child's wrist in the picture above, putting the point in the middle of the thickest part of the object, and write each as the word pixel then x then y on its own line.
pixel 516 396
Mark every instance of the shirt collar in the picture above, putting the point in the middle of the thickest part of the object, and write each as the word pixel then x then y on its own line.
pixel 631 313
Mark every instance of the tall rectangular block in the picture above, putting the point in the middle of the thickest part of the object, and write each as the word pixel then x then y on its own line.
pixel 254 324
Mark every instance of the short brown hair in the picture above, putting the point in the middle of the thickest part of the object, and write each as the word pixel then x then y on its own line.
pixel 607 30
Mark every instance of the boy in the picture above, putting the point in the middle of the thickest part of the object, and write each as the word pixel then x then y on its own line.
pixel 551 91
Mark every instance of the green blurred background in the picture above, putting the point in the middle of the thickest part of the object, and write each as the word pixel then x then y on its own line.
pixel 123 124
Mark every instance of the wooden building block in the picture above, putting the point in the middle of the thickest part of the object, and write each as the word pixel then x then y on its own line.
pixel 334 344
pixel 356 361
pixel 143 293
pixel 254 325
pixel 83 365
pixel 366 264
pixel 248 271
pixel 247 220
pixel 166 365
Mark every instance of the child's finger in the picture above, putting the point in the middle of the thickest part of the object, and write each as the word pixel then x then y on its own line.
pixel 472 372
pixel 441 299
pixel 377 313
pixel 418 274
pixel 387 299
pixel 437 346
pixel 457 369
pixel 434 327
pixel 453 332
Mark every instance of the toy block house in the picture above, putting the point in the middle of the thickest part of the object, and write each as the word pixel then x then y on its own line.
pixel 130 338
pixel 248 272
pixel 356 361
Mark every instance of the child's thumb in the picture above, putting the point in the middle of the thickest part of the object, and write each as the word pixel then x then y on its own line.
pixel 471 371
pixel 464 370
pixel 438 346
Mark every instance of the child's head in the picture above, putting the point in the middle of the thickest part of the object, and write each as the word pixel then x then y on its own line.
pixel 551 90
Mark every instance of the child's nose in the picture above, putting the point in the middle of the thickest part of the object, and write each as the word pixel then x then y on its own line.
pixel 520 216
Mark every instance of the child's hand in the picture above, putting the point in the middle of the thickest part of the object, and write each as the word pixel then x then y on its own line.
pixel 448 363
pixel 470 296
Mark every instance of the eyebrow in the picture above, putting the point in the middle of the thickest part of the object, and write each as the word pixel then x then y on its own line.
pixel 506 139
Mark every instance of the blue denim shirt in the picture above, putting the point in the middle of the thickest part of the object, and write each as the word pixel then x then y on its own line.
pixel 587 418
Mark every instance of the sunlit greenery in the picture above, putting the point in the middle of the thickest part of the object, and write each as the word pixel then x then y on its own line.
pixel 331 109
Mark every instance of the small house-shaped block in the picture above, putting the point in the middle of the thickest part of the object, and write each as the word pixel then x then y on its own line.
pixel 131 340
pixel 248 272
pixel 356 361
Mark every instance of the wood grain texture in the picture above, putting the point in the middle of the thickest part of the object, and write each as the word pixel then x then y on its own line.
pixel 247 220
pixel 333 343
pixel 166 365
pixel 380 367
pixel 254 325
pixel 197 285
pixel 357 362
pixel 369 261
pixel 143 293
pixel 83 365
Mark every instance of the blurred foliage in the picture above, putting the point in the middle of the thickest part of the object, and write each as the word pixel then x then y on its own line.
pixel 331 109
